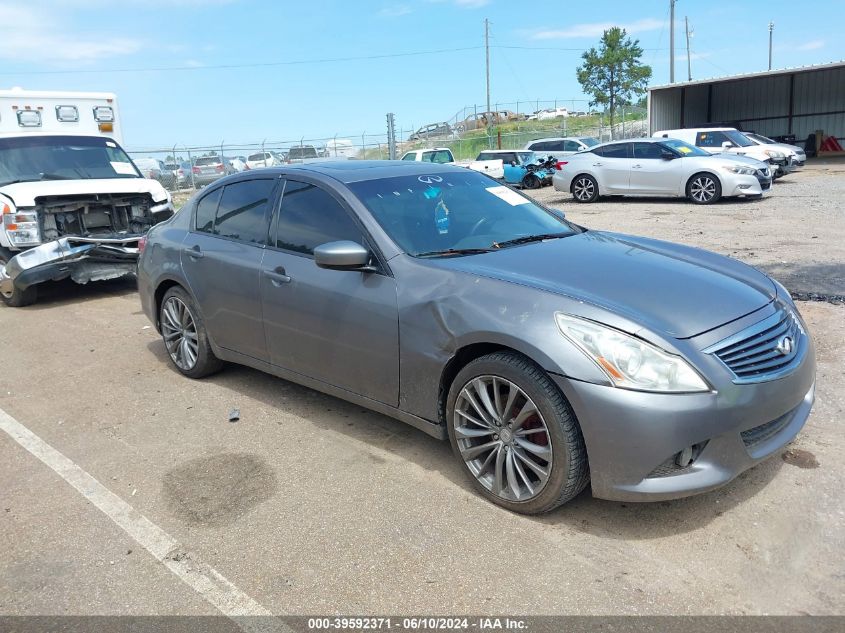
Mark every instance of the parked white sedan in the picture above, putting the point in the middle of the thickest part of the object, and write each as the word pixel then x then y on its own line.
pixel 660 167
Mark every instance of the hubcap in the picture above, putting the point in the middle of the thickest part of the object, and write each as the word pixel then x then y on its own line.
pixel 703 189
pixel 584 189
pixel 503 438
pixel 180 333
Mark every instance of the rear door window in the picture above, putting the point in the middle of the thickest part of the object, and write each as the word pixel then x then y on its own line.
pixel 616 150
pixel 243 211
pixel 206 210
pixel 571 146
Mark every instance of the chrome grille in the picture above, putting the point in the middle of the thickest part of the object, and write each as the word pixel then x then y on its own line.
pixel 764 351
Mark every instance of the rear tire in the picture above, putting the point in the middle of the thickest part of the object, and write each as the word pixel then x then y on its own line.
pixel 184 335
pixel 585 188
pixel 524 452
pixel 17 298
pixel 704 188
pixel 531 182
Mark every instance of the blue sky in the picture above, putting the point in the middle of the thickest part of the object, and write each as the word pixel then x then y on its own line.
pixel 78 44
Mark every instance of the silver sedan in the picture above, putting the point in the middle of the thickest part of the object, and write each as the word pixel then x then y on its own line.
pixel 660 167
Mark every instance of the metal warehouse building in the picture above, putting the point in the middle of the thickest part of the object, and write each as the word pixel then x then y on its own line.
pixel 796 101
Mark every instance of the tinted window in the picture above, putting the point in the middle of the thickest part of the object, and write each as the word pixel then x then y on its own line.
pixel 206 210
pixel 437 157
pixel 647 150
pixel 410 156
pixel 310 216
pixel 617 150
pixel 540 146
pixel 207 160
pixel 571 146
pixel 710 139
pixel 303 151
pixel 242 212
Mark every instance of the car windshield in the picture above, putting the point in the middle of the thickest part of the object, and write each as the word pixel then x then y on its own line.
pixel 589 141
pixel 683 148
pixel 738 138
pixel 255 157
pixel 450 213
pixel 32 158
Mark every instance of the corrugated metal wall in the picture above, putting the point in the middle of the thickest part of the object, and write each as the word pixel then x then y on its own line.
pixel 760 104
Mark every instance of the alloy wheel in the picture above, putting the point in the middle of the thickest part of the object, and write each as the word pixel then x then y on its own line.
pixel 502 438
pixel 180 333
pixel 7 295
pixel 703 189
pixel 584 189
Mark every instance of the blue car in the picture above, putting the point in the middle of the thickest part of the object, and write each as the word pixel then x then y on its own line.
pixel 523 169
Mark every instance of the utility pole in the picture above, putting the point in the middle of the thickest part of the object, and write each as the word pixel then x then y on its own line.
pixel 771 28
pixel 672 41
pixel 487 55
pixel 689 66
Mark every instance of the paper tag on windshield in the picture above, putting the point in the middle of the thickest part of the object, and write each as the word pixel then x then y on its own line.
pixel 508 195
pixel 683 150
pixel 123 168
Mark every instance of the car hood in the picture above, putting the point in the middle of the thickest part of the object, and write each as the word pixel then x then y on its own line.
pixel 739 158
pixel 23 194
pixel 670 289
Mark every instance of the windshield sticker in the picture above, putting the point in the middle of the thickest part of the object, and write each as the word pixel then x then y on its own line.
pixel 508 195
pixel 123 168
pixel 110 144
pixel 441 218
pixel 683 150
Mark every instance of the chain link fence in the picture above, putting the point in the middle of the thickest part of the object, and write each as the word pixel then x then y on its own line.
pixel 181 167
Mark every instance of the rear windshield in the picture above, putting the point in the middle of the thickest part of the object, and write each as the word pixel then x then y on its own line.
pixel 258 156
pixel 207 160
pixel 589 141
pixel 302 152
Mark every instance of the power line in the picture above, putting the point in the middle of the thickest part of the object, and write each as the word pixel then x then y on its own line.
pixel 327 60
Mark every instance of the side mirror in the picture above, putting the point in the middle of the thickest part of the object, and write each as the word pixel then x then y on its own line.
pixel 667 155
pixel 343 255
pixel 727 145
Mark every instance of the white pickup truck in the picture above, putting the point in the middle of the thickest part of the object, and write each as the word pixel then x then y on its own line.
pixel 444 156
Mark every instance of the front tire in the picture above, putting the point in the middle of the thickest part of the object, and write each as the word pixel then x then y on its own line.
pixel 16 298
pixel 531 182
pixel 184 335
pixel 704 189
pixel 585 188
pixel 515 435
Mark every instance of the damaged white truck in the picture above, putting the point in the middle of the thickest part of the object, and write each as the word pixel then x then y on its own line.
pixel 73 206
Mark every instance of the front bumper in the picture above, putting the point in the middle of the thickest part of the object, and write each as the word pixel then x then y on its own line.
pixel 83 259
pixel 633 437
pixel 743 184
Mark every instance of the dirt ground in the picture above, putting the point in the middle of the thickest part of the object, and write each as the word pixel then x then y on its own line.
pixel 311 505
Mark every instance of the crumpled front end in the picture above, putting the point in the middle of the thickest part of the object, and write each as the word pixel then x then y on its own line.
pixel 87 237
pixel 82 259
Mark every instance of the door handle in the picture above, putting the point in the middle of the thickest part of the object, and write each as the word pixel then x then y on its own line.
pixel 597 164
pixel 636 166
pixel 195 252
pixel 277 276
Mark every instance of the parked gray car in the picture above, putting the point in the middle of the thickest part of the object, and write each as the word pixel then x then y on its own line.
pixel 551 356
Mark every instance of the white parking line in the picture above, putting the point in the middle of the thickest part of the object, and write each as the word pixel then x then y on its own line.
pixel 205 580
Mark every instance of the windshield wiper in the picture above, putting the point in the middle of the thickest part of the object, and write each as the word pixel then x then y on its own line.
pixel 455 251
pixel 49 176
pixel 525 239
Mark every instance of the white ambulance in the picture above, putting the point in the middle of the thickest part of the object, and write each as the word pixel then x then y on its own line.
pixel 73 204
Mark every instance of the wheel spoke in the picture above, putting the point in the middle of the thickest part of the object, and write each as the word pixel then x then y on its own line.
pixel 478 408
pixel 497 399
pixel 513 484
pixel 473 452
pixel 499 473
pixel 541 472
pixel 474 420
pixel 468 432
pixel 528 409
pixel 522 475
pixel 540 451
pixel 481 389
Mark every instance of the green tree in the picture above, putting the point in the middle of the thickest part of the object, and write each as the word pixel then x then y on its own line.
pixel 613 74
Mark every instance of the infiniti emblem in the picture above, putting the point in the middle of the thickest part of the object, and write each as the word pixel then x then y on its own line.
pixel 785 345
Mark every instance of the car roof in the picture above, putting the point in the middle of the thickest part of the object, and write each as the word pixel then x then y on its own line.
pixel 348 171
pixel 559 138
pixel 646 139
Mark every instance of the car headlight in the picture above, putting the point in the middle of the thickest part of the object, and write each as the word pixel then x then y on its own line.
pixel 21 226
pixel 630 362
pixel 774 154
pixel 740 169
